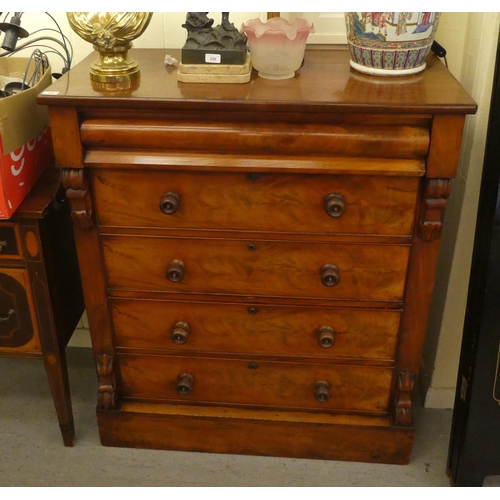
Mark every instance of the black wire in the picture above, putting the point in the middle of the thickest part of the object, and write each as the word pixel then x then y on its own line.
pixel 64 38
pixel 29 46
pixel 68 60
pixel 31 42
pixel 41 63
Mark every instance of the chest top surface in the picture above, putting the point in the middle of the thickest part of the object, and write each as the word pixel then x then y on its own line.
pixel 324 82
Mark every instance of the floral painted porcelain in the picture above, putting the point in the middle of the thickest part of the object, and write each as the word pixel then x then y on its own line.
pixel 390 43
pixel 277 47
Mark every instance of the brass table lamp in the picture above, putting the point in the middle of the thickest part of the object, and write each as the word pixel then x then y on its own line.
pixel 111 34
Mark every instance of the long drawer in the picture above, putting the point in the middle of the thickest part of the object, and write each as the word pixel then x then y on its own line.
pixel 256 268
pixel 329 333
pixel 350 204
pixel 255 383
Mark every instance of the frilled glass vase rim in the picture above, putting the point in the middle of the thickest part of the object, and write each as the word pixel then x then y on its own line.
pixel 277 26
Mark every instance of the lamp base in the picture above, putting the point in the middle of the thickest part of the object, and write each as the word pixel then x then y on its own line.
pixel 114 65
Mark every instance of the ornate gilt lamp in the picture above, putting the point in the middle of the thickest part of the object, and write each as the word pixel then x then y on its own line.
pixel 111 34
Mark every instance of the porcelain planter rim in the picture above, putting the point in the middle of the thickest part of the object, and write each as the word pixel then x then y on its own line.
pixel 369 70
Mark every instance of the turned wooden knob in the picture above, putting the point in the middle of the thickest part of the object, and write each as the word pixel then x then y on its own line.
pixel 334 205
pixel 330 275
pixel 322 391
pixel 326 337
pixel 170 203
pixel 176 270
pixel 180 332
pixel 185 382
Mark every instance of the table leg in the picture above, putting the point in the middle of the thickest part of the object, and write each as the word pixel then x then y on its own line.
pixel 57 372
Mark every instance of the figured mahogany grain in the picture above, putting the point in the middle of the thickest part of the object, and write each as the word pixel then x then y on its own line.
pixel 256 383
pixel 217 327
pixel 289 269
pixel 385 141
pixel 256 202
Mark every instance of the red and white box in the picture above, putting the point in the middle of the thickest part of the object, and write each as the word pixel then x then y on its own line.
pixel 25 139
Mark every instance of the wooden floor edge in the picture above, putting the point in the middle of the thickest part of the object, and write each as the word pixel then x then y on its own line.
pixel 262 437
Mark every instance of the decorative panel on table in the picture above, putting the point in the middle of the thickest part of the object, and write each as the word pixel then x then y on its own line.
pixel 258 259
pixel 41 298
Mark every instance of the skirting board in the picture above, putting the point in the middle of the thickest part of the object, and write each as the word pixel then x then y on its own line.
pixel 441 398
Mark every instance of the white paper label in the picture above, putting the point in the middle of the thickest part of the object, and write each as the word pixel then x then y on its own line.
pixel 212 58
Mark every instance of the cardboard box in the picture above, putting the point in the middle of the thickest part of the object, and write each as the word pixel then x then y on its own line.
pixel 25 139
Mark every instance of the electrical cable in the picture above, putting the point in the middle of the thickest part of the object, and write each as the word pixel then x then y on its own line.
pixel 65 43
pixel 31 42
pixel 41 64
pixel 51 50
pixel 64 38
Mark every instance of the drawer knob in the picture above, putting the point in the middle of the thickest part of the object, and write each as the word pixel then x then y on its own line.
pixel 322 391
pixel 170 203
pixel 2 244
pixel 176 270
pixel 335 205
pixel 185 382
pixel 330 275
pixel 180 332
pixel 326 337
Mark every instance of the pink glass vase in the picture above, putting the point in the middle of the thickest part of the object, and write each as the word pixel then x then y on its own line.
pixel 277 47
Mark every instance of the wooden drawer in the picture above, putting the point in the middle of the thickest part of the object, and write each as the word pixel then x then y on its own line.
pixel 256 383
pixel 18 330
pixel 10 244
pixel 257 202
pixel 255 329
pixel 259 268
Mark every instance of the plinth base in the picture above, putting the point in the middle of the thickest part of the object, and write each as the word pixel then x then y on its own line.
pixel 215 73
pixel 255 432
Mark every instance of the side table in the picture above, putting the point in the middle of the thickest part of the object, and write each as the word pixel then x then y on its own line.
pixel 41 299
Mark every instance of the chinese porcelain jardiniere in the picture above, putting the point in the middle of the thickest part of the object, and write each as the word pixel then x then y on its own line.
pixel 390 43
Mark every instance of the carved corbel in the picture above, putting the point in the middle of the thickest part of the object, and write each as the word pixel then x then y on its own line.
pixel 106 392
pixel 77 191
pixel 403 407
pixel 434 202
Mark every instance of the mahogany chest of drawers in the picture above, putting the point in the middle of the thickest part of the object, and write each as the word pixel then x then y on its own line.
pixel 258 259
